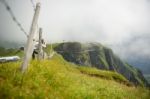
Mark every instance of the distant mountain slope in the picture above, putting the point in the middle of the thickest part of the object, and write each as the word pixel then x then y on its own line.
pixel 143 63
pixel 96 55
pixel 147 77
pixel 10 52
pixel 11 44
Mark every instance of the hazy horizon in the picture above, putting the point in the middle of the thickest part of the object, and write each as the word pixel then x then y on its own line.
pixel 122 24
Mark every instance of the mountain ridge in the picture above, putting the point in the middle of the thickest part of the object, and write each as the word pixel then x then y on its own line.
pixel 101 57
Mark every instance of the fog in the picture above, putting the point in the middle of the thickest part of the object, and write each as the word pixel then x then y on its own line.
pixel 124 25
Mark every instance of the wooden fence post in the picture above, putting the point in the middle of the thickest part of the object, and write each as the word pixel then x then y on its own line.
pixel 40 51
pixel 30 43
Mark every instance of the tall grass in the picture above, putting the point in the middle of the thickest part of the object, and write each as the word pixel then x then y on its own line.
pixel 58 79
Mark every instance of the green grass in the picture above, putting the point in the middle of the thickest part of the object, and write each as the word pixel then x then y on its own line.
pixel 58 79
pixel 10 52
pixel 109 75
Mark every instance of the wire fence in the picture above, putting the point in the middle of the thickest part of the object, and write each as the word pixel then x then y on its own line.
pixel 8 8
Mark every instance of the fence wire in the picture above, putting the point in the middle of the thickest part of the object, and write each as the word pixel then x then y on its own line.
pixel 8 8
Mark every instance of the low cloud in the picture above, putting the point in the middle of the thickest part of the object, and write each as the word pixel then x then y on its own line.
pixel 121 24
pixel 137 47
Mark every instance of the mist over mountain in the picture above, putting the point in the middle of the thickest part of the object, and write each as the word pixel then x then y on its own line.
pixel 121 24
pixel 9 44
pixel 136 59
pixel 142 63
pixel 136 52
pixel 95 49
pixel 101 57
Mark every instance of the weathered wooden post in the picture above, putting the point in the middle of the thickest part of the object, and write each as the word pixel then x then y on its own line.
pixel 30 43
pixel 40 52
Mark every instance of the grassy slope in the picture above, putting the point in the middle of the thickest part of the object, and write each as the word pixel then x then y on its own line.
pixel 10 52
pixel 58 79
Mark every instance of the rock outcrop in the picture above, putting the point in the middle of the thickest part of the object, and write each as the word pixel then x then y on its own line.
pixel 96 55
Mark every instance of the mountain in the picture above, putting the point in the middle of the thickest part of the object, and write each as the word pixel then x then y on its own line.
pixel 101 57
pixel 10 52
pixel 142 63
pixel 9 44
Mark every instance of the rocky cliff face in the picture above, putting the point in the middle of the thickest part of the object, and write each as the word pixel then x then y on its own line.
pixel 96 55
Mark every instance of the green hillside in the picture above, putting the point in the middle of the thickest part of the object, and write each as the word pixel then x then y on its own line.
pixel 98 56
pixel 58 79
pixel 10 52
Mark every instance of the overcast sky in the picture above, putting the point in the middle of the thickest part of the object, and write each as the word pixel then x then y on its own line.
pixel 122 24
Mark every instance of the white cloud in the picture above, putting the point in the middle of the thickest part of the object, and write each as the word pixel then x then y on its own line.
pixel 107 21
pixel 111 21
